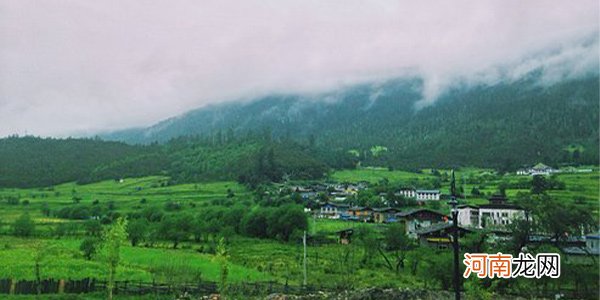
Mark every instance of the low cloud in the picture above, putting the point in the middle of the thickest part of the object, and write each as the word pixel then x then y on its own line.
pixel 70 66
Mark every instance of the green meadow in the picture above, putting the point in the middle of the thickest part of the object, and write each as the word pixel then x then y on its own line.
pixel 249 259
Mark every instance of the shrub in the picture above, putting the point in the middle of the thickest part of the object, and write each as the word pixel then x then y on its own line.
pixel 23 226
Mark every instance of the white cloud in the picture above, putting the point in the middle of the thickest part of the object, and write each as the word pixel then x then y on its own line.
pixel 73 66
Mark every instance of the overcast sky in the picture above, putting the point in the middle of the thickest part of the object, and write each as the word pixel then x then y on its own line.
pixel 68 67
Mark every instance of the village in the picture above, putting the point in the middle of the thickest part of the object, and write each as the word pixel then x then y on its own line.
pixel 422 218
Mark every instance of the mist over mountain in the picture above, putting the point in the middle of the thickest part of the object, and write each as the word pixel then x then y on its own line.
pixel 502 125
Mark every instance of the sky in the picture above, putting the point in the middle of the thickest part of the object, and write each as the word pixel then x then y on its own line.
pixel 72 67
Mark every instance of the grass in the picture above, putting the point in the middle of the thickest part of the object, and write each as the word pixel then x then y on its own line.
pixel 64 261
pixel 329 225
pixel 251 259
pixel 126 196
pixel 374 175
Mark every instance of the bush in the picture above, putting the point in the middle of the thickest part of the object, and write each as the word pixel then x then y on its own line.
pixel 23 226
pixel 89 247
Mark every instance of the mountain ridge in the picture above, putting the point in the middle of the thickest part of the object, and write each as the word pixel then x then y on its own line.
pixel 534 120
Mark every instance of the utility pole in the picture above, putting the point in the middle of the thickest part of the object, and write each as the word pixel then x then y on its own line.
pixel 304 263
pixel 453 203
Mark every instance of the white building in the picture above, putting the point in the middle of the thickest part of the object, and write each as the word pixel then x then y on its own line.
pixel 427 195
pixel 406 193
pixel 539 169
pixel 497 213
pixel 419 195
pixel 333 211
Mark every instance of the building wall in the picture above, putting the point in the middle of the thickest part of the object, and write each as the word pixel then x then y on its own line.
pixel 468 217
pixel 498 216
pixel 428 196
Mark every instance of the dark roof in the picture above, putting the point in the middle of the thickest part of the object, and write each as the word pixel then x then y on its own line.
pixel 438 227
pixel 500 206
pixel 467 205
pixel 414 211
pixel 384 209
pixel 434 228
pixel 580 251
pixel 428 191
pixel 358 208
pixel 336 204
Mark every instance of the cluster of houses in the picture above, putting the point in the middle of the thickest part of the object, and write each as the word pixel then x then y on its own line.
pixel 341 192
pixel 544 170
pixel 431 227
pixel 335 192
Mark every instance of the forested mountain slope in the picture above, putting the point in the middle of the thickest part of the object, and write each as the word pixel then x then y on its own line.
pixel 504 125
pixel 31 161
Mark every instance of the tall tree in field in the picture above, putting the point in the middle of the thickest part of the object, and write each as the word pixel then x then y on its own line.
pixel 396 240
pixel 114 236
pixel 42 251
pixel 538 184
pixel 222 257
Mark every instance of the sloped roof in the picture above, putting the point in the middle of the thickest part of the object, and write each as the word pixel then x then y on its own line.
pixel 429 191
pixel 414 211
pixel 336 205
pixel 360 208
pixel 540 166
pixel 384 209
pixel 437 227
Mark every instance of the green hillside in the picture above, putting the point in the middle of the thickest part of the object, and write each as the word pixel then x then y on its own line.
pixel 502 126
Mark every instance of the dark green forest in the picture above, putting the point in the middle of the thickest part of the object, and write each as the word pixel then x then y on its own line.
pixel 505 126
pixel 31 162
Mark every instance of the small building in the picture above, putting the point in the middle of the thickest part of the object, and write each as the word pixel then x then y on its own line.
pixel 438 235
pixel 419 195
pixel 427 195
pixel 416 219
pixel 592 244
pixel 539 169
pixel 333 210
pixel 345 236
pixel 308 195
pixel 385 215
pixel 360 213
pixel 406 193
pixel 497 213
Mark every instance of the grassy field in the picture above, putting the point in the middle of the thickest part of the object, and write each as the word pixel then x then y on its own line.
pixel 62 259
pixel 250 259
pixel 126 195
pixel 374 175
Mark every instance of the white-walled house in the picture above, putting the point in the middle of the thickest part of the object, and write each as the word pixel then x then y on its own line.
pixel 468 215
pixel 333 211
pixel 497 213
pixel 427 195
pixel 419 195
pixel 406 193
pixel 539 169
